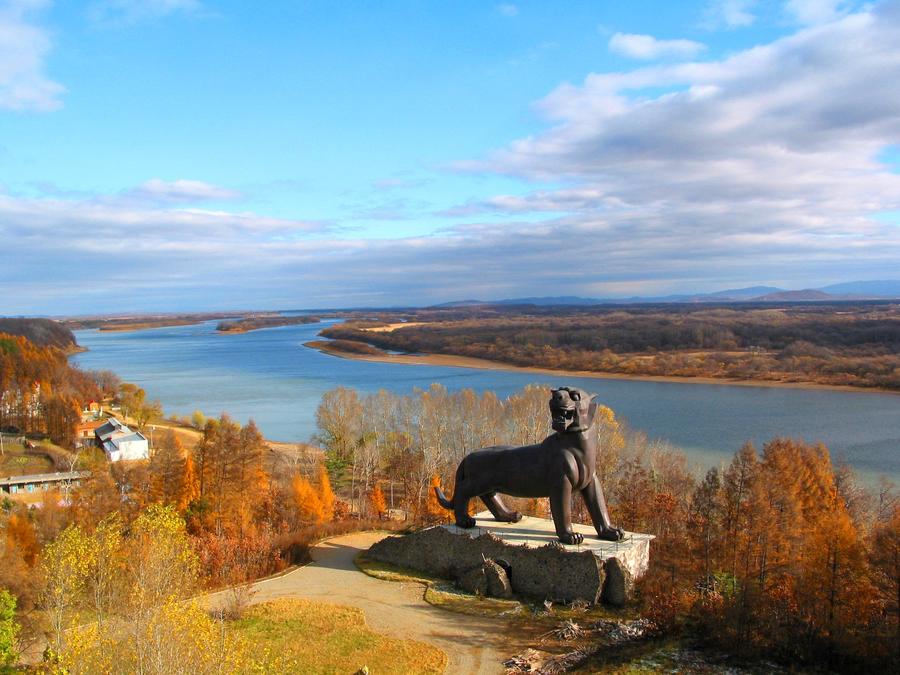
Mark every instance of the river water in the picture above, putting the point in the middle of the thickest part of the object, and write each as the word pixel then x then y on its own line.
pixel 268 375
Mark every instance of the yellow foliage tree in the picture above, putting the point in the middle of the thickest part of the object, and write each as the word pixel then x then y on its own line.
pixel 611 440
pixel 65 564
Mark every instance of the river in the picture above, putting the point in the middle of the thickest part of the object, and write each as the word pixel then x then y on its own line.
pixel 268 375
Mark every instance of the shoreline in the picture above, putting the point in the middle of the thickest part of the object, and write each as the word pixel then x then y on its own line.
pixel 451 361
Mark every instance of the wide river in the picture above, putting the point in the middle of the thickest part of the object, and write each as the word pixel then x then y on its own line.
pixel 268 375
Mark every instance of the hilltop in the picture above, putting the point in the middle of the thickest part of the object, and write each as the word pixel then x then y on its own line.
pixel 41 332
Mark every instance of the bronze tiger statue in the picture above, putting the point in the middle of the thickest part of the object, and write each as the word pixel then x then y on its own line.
pixel 561 464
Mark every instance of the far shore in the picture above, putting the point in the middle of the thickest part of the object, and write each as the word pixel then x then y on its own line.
pixel 144 325
pixel 484 364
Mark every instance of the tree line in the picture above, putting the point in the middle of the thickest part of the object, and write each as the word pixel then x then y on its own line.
pixel 777 554
pixel 39 391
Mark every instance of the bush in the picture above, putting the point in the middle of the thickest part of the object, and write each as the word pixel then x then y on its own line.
pixel 9 630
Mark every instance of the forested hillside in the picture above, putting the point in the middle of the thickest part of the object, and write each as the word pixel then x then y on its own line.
pixel 40 392
pixel 41 332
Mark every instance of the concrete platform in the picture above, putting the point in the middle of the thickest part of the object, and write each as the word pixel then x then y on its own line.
pixel 540 566
pixel 633 551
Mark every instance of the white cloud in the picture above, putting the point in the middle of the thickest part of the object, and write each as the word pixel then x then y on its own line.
pixel 648 47
pixel 24 46
pixel 816 11
pixel 182 190
pixel 731 13
pixel 135 219
pixel 508 9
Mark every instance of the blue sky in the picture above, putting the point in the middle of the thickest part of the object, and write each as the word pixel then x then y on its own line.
pixel 186 154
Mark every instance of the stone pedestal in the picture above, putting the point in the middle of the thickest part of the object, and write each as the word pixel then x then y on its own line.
pixel 540 566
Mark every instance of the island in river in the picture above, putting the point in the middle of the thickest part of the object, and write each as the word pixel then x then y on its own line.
pixel 257 322
pixel 848 344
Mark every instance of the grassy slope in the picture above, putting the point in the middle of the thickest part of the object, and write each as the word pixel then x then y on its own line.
pixel 315 637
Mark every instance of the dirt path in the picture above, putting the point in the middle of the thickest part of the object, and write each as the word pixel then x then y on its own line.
pixel 472 644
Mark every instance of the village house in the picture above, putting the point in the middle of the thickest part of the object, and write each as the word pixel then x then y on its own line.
pixel 91 411
pixel 86 433
pixel 40 482
pixel 121 443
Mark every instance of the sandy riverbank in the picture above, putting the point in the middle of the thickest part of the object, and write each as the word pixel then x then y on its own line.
pixel 484 364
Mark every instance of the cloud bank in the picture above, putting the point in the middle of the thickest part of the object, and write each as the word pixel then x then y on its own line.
pixel 770 156
pixel 762 167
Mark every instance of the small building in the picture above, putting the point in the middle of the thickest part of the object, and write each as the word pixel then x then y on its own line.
pixel 91 410
pixel 40 482
pixel 86 433
pixel 121 443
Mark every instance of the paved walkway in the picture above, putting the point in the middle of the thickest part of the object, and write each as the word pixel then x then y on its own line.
pixel 472 644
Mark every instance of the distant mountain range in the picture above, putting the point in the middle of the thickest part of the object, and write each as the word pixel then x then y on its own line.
pixel 851 290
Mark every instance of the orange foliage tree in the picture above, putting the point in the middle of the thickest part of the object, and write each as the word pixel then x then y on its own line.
pixel 377 501
pixel 171 473
pixel 433 509
pixel 307 502
pixel 326 494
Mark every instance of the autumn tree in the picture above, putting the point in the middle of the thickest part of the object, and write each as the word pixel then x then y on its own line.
pixel 65 563
pixel 147 412
pixel 9 630
pixel 248 478
pixel 215 455
pixel 20 534
pixel 433 509
pixel 107 381
pixel 884 555
pixel 157 630
pixel 39 390
pixel 131 397
pixel 106 566
pixel 198 420
pixel 160 566
pixel 326 495
pixel 377 501
pixel 307 501
pixel 338 420
pixel 172 479
pixel 97 497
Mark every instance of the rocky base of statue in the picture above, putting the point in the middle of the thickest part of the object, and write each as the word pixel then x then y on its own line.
pixel 497 559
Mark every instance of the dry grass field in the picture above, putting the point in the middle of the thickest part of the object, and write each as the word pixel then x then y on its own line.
pixel 317 637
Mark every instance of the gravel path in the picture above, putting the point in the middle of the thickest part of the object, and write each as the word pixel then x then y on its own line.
pixel 472 644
